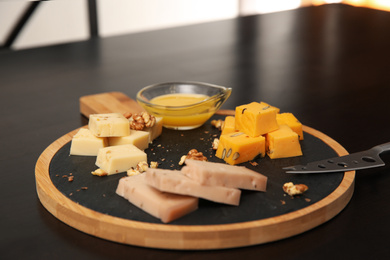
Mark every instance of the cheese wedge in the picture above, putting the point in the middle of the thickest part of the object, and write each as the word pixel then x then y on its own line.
pixel 120 158
pixel 229 125
pixel 283 143
pixel 111 124
pixel 256 119
pixel 236 148
pixel 220 174
pixel 290 120
pixel 162 205
pixel 85 143
pixel 177 183
pixel 138 138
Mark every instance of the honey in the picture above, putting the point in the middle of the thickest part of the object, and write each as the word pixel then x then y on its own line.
pixel 185 111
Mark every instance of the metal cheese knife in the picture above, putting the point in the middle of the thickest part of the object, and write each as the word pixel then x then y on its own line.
pixel 356 161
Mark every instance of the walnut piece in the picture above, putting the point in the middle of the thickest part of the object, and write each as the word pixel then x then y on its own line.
pixel 141 121
pixel 218 123
pixel 153 164
pixel 294 189
pixel 182 159
pixel 99 172
pixel 141 167
pixel 195 155
pixel 215 143
pixel 127 115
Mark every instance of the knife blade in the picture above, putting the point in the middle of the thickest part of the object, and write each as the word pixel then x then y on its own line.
pixel 351 162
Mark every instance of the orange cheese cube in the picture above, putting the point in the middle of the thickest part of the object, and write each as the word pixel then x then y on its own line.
pixel 290 120
pixel 256 119
pixel 266 104
pixel 238 147
pixel 283 143
pixel 229 126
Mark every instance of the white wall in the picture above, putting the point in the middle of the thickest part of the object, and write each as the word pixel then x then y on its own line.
pixel 67 20
pixel 60 21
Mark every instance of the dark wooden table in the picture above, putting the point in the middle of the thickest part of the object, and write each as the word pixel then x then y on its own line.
pixel 329 65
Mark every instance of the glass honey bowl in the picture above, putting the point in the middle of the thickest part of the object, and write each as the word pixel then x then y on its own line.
pixel 183 105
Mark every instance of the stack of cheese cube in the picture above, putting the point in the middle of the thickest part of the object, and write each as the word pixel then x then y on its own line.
pixel 258 129
pixel 117 147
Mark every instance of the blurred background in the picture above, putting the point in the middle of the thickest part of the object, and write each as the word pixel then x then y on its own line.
pixel 28 24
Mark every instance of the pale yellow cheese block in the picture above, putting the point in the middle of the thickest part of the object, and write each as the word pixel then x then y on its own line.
pixel 87 144
pixel 120 158
pixel 162 205
pixel 137 138
pixel 156 130
pixel 108 125
pixel 174 181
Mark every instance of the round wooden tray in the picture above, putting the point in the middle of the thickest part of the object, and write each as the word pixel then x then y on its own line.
pixel 177 236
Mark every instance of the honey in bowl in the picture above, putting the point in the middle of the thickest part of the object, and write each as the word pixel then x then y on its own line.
pixel 183 105
pixel 187 118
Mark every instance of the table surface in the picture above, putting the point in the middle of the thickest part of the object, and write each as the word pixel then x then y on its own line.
pixel 329 65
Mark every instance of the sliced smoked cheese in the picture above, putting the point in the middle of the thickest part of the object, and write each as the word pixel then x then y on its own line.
pixel 220 174
pixel 176 182
pixel 162 205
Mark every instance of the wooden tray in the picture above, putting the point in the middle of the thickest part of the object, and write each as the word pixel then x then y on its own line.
pixel 90 204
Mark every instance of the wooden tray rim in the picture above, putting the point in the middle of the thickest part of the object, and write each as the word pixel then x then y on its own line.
pixel 189 237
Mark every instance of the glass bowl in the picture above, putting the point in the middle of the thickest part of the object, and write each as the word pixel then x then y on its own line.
pixel 183 105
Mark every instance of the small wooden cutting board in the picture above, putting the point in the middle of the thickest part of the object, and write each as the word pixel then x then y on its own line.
pixel 110 102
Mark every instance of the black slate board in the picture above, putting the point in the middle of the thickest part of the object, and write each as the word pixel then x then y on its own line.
pixel 98 193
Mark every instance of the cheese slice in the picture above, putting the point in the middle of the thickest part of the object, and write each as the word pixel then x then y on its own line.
pixel 236 148
pixel 85 143
pixel 220 174
pixel 290 120
pixel 120 158
pixel 162 205
pixel 177 183
pixel 283 143
pixel 137 138
pixel 256 119
pixel 111 124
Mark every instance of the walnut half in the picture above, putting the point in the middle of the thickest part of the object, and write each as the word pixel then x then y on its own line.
pixel 294 189
pixel 141 121
pixel 194 155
